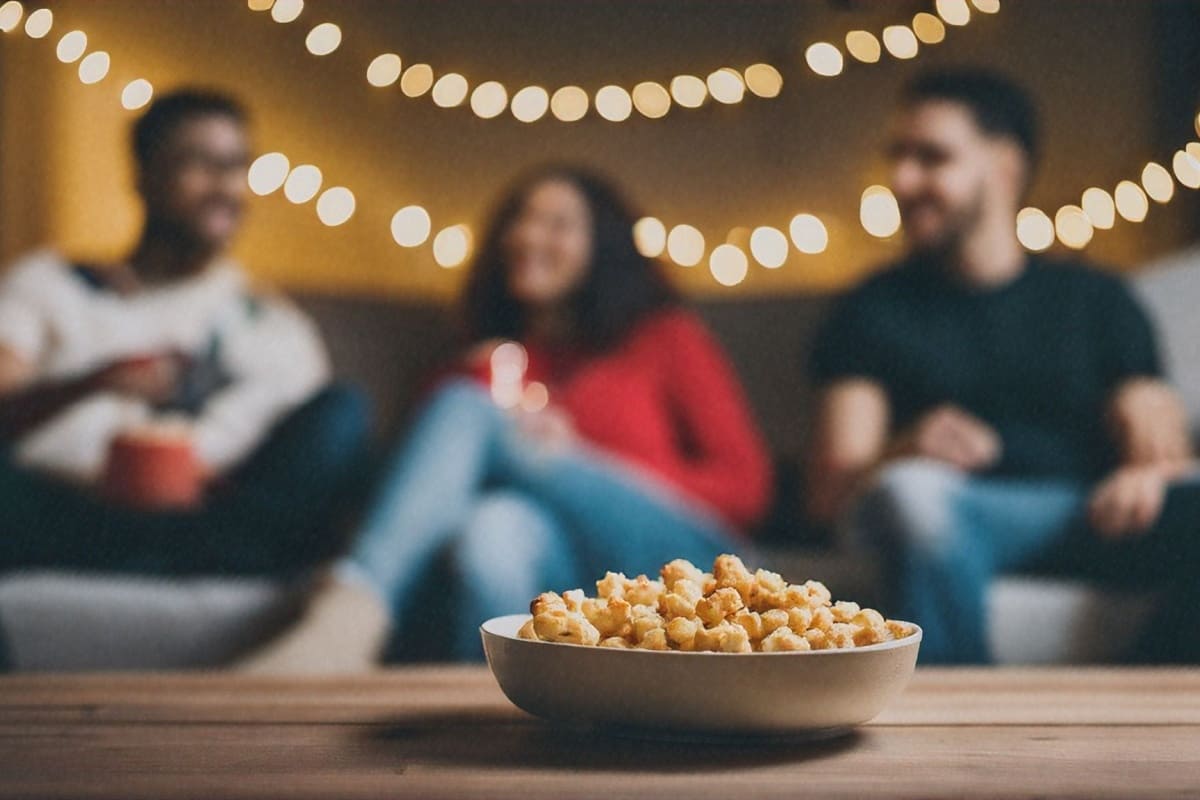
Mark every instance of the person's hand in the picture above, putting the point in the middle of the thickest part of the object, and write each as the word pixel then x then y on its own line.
pixel 1150 422
pixel 152 378
pixel 947 433
pixel 551 427
pixel 1128 501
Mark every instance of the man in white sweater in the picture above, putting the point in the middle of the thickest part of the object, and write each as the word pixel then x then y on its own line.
pixel 174 331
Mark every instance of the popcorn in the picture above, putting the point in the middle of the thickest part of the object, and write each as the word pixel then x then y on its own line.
pixel 730 610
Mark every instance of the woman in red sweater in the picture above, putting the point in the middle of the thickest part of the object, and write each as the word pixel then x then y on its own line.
pixel 594 425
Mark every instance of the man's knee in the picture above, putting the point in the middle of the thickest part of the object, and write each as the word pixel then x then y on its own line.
pixel 336 421
pixel 911 504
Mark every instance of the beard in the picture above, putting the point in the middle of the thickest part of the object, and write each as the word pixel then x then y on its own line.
pixel 958 226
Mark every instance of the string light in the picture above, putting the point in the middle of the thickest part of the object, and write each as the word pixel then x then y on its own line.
pixel 489 100
pixel 728 264
pixel 954 12
pixel 450 90
pixel 763 80
pixel 335 206
pixel 384 70
pixel 259 5
pixel 900 41
pixel 136 94
pixel 1099 207
pixel 452 246
pixel 323 39
pixel 879 212
pixel 769 246
pixel 10 15
pixel 569 104
pixel 689 91
pixel 824 59
pixel 987 6
pixel 71 47
pixel 613 103
pixel 928 28
pixel 1073 227
pixel 39 23
pixel 650 236
pixel 1131 201
pixel 411 226
pixel 417 80
pixel 808 234
pixel 94 67
pixel 651 100
pixel 1035 231
pixel 863 46
pixel 267 173
pixel 285 11
pixel 530 104
pixel 1158 183
pixel 302 184
pixel 685 245
pixel 1187 169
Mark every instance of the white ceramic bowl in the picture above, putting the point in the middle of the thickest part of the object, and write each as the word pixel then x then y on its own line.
pixel 815 693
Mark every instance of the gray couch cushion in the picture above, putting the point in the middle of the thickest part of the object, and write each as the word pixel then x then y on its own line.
pixel 1170 291
pixel 58 621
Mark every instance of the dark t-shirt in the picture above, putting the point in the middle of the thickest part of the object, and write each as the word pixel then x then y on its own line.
pixel 1037 358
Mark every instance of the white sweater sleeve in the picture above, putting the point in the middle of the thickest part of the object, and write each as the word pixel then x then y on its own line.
pixel 276 361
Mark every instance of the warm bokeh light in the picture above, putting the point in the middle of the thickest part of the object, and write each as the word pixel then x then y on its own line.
pixel 302 183
pixel 39 23
pixel 411 226
pixel 1035 230
pixel 259 5
pixel 136 94
pixel 323 39
pixel 688 91
pixel 450 90
pixel 488 100
pixel 1100 208
pixel 335 206
pixel 763 80
pixel 287 10
pixel 452 246
pixel 268 172
pixel 1193 150
pixel 726 86
pixel 879 212
pixel 685 245
pixel 535 398
pixel 1187 169
pixel 900 41
pixel 650 236
pixel 614 103
pixel 1073 227
pixel 384 70
pixel 10 15
pixel 1131 201
pixel 928 28
pixel 569 104
pixel 651 99
pixel 769 246
pixel 728 264
pixel 416 80
pixel 530 104
pixel 954 12
pixel 1158 183
pixel 71 47
pixel 824 59
pixel 808 234
pixel 863 45
pixel 987 6
pixel 94 67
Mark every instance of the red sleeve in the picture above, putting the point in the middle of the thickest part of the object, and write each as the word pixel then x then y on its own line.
pixel 728 466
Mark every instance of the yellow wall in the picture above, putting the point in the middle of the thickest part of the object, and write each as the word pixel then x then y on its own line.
pixel 64 171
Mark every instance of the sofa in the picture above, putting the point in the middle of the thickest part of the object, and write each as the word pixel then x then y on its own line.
pixel 54 621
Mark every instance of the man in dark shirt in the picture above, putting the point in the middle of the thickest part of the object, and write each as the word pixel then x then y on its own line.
pixel 983 409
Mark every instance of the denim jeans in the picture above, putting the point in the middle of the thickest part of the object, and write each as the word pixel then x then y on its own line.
pixel 945 534
pixel 512 518
pixel 274 515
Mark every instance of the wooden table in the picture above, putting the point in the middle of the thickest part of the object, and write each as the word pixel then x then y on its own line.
pixel 448 732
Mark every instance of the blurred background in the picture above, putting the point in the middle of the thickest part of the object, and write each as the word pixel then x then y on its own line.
pixel 1115 81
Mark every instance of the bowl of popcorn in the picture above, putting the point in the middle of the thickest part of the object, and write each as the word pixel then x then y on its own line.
pixel 729 651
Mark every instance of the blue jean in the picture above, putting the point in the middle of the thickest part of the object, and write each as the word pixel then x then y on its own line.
pixel 512 517
pixel 945 534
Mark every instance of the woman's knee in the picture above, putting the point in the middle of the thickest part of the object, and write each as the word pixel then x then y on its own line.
pixel 912 504
pixel 505 529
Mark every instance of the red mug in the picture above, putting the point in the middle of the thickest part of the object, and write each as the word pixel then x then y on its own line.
pixel 153 468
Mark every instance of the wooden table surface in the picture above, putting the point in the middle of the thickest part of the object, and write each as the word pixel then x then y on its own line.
pixel 449 732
